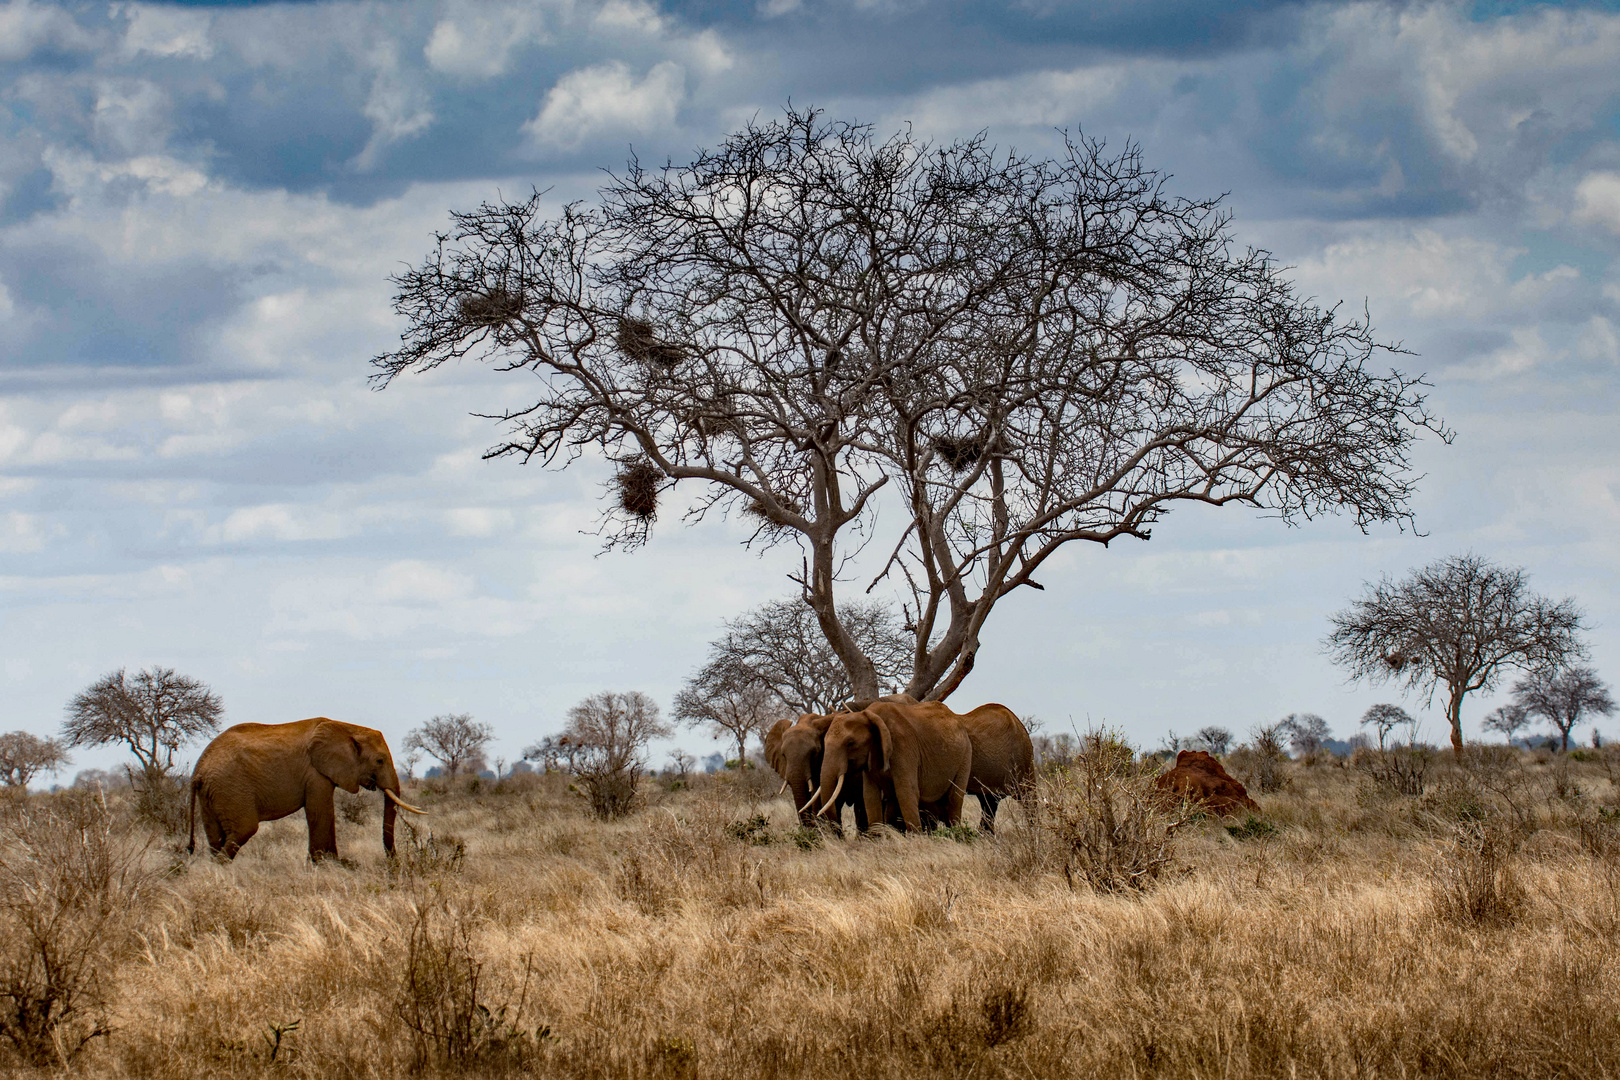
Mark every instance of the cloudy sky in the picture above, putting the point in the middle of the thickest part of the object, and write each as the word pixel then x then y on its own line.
pixel 200 207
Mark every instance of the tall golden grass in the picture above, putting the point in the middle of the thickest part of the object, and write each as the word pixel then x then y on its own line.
pixel 1353 932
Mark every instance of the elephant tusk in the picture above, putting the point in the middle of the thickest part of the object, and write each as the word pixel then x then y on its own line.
pixel 814 796
pixel 832 800
pixel 779 794
pixel 403 805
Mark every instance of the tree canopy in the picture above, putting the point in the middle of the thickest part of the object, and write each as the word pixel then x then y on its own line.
pixel 455 740
pixel 1462 622
pixel 1009 354
pixel 24 755
pixel 1562 698
pixel 154 712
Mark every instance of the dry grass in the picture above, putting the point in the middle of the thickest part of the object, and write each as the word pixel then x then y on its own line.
pixel 1466 932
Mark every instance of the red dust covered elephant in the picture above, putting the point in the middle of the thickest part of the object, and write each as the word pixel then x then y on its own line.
pixel 261 772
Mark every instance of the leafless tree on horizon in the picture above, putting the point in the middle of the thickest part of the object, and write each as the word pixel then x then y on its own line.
pixel 24 756
pixel 454 740
pixel 1461 621
pixel 153 712
pixel 1009 354
pixel 1386 718
pixel 1562 698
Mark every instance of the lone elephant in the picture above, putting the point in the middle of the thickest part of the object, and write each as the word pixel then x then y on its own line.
pixel 261 772
pixel 1003 758
pixel 918 755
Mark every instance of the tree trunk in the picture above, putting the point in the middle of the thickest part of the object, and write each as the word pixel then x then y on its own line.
pixel 1454 711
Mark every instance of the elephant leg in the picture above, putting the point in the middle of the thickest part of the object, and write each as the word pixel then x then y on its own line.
pixel 228 822
pixel 236 835
pixel 857 802
pixel 987 811
pixel 905 793
pixel 954 796
pixel 321 814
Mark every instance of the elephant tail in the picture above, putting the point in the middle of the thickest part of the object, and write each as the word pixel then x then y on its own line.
pixel 191 816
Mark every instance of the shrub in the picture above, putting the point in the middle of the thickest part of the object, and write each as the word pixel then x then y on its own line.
pixel 355 809
pixel 1100 819
pixel 1400 770
pixel 69 881
pixel 1477 886
pixel 439 998
pixel 422 855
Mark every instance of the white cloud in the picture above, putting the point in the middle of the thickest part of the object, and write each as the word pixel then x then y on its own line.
pixel 607 98
pixel 635 15
pixel 168 32
pixel 397 108
pixel 132 116
pixel 26 27
pixel 1525 351
pixel 1598 342
pixel 1040 99
pixel 476 40
pixel 1597 201
pixel 1426 273
pixel 22 533
pixel 478 521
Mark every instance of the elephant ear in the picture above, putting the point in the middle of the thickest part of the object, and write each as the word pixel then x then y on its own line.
pixel 773 743
pixel 336 755
pixel 882 747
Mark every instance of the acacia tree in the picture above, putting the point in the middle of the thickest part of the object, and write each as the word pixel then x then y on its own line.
pixel 1215 740
pixel 454 740
pixel 779 648
pixel 1507 720
pixel 153 712
pixel 1010 354
pixel 24 756
pixel 725 698
pixel 1462 622
pixel 1307 734
pixel 1563 697
pixel 1386 718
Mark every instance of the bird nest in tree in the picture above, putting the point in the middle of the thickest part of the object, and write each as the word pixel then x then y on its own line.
pixel 639 341
pixel 768 517
pixel 959 453
pixel 492 307
pixel 638 488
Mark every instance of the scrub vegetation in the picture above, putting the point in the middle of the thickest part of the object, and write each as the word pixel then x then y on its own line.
pixel 1362 926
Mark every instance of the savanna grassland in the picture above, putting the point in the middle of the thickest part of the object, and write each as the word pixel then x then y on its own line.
pixel 1353 930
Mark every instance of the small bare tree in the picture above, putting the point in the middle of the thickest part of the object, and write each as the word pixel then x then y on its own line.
pixel 1462 622
pixel 1563 697
pixel 1307 734
pixel 153 712
pixel 24 756
pixel 1507 721
pixel 1384 719
pixel 724 698
pixel 610 732
pixel 1009 354
pixel 454 740
pixel 1214 740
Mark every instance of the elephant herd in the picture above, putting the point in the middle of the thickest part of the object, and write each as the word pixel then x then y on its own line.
pixel 902 762
pixel 897 761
